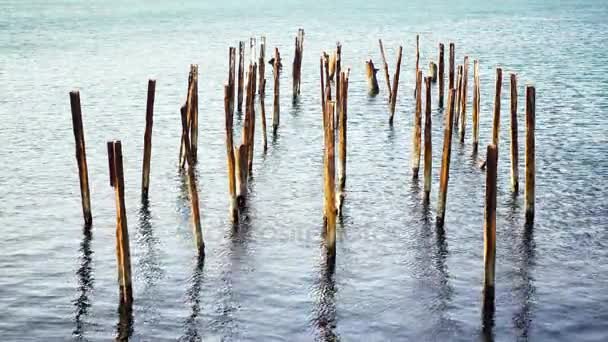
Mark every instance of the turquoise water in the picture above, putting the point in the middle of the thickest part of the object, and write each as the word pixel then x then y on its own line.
pixel 397 277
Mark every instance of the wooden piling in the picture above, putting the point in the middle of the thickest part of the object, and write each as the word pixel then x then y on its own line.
pixel 240 162
pixel 452 65
pixel 441 75
pixel 395 86
pixel 476 102
pixel 338 68
pixel 416 90
pixel 251 133
pixel 297 62
pixel 230 153
pixel 145 176
pixel 428 147
pixel 530 152
pixel 514 142
pixel 433 71
pixel 370 75
pixel 194 116
pixel 329 179
pixel 262 66
pixel 123 253
pixel 458 93
pixel 342 135
pixel 386 74
pixel 263 113
pixel 322 78
pixel 496 124
pixel 445 161
pixel 489 229
pixel 194 203
pixel 463 98
pixel 240 78
pixel 417 136
pixel 276 105
pixel 231 75
pixel 81 156
pixel 191 112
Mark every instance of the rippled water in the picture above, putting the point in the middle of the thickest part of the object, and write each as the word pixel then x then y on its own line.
pixel 397 277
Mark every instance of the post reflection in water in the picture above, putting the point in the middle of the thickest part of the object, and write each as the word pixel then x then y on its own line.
pixel 445 289
pixel 124 328
pixel 487 314
pixel 525 290
pixel 324 312
pixel 191 332
pixel 85 283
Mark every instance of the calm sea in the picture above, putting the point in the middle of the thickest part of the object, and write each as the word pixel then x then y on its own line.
pixel 397 277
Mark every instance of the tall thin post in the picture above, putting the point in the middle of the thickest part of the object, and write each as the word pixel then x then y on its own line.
pixel 329 179
pixel 297 62
pixel 194 116
pixel 463 98
pixel 262 65
pixel 81 156
pixel 458 93
pixel 276 105
pixel 194 203
pixel 514 142
pixel 322 78
pixel 530 157
pixel 231 75
pixel 145 176
pixel 123 253
pixel 476 102
pixel 230 153
pixel 240 79
pixel 445 161
pixel 395 86
pixel 489 229
pixel 496 124
pixel 417 64
pixel 452 65
pixel 263 113
pixel 343 113
pixel 428 147
pixel 386 74
pixel 338 71
pixel 441 75
pixel 417 136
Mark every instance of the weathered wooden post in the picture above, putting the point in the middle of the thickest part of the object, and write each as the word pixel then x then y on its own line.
pixel 196 218
pixel 329 179
pixel 428 147
pixel 451 67
pixel 81 157
pixel 263 113
pixel 276 105
pixel 530 157
pixel 240 162
pixel 230 153
pixel 239 103
pixel 433 71
pixel 445 161
pixel 370 75
pixel 231 75
pixel 489 229
pixel 441 75
pixel 123 252
pixel 342 122
pixel 395 86
pixel 417 136
pixel 297 62
pixel 321 62
pixel 338 68
pixel 496 124
pixel 514 142
pixel 476 102
pixel 417 64
pixel 386 74
pixel 194 115
pixel 262 65
pixel 463 98
pixel 458 93
pixel 145 176
pixel 191 108
pixel 251 130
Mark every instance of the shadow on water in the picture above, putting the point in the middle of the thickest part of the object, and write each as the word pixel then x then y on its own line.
pixel 85 283
pixel 324 318
pixel 191 325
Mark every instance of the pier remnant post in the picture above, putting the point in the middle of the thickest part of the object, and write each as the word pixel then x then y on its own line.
pixel 458 93
pixel 386 74
pixel 240 76
pixel 417 136
pixel 441 75
pixel 297 62
pixel 342 136
pixel 145 176
pixel 329 179
pixel 428 147
pixel 476 102
pixel 395 86
pixel 194 115
pixel 489 229
pixel 451 66
pixel 530 154
pixel 445 160
pixel 230 153
pixel 276 105
pixel 262 64
pixel 514 142
pixel 433 71
pixel 463 98
pixel 123 252
pixel 81 156
pixel 263 113
pixel 231 74
pixel 194 203
pixel 496 123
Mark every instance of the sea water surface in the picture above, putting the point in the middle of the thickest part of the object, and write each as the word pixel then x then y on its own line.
pixel 397 277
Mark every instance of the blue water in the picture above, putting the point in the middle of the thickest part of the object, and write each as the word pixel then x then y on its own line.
pixel 397 277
